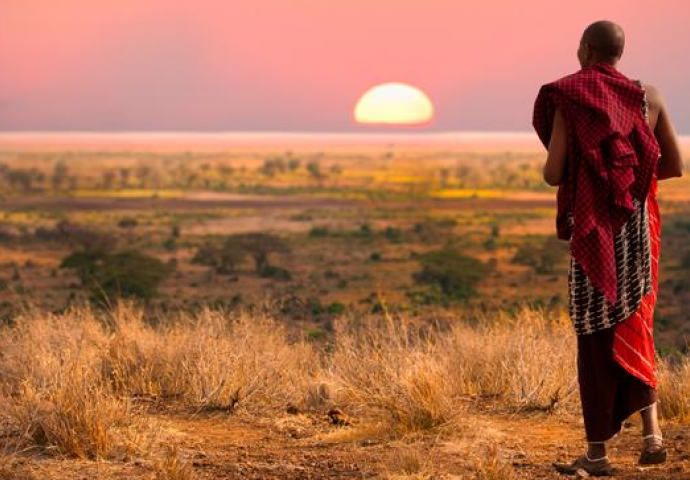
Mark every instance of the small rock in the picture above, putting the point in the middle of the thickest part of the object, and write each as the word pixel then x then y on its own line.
pixel 337 417
pixel 580 473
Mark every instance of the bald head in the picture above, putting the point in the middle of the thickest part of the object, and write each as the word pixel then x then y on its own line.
pixel 602 41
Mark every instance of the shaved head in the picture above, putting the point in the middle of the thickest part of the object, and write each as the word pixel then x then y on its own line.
pixel 604 41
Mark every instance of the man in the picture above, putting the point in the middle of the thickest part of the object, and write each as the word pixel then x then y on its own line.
pixel 609 140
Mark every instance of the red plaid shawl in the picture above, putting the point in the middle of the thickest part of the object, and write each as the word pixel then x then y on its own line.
pixel 612 157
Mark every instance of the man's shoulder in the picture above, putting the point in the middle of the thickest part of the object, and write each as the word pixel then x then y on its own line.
pixel 654 96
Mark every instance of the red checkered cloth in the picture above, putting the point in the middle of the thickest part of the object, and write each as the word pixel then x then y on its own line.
pixel 612 157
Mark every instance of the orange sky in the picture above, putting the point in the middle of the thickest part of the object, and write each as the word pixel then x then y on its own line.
pixel 301 64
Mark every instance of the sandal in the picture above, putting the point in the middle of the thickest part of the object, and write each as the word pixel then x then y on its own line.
pixel 654 452
pixel 600 467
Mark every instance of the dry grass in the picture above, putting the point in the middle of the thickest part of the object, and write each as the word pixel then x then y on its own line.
pixel 76 384
pixel 70 379
pixel 409 464
pixel 674 390
pixel 173 467
pixel 491 466
pixel 418 375
pixel 527 359
pixel 212 360
pixel 392 367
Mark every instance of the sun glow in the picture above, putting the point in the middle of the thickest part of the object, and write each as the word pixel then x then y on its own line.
pixel 394 104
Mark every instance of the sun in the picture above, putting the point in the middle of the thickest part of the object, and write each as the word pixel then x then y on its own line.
pixel 394 104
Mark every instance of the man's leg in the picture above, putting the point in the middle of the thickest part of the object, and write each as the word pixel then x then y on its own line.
pixel 598 377
pixel 653 451
pixel 650 421
pixel 596 450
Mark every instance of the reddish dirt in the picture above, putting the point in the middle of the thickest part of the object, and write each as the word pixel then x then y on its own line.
pixel 308 447
pixel 255 202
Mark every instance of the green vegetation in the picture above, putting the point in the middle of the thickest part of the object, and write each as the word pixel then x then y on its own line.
pixel 543 257
pixel 452 275
pixel 129 274
pixel 226 257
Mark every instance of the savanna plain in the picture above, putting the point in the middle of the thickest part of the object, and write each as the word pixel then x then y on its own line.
pixel 310 308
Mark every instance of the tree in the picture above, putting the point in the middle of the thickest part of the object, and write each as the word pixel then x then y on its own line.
pixel 314 169
pixel 128 274
pixel 21 178
pixel 60 175
pixel 108 179
pixel 456 275
pixel 294 164
pixel 222 258
pixel 225 257
pixel 127 223
pixel 543 258
pixel 259 246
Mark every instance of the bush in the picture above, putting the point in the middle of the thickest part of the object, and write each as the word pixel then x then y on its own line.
pixel 270 271
pixel 222 258
pixel 128 223
pixel 318 232
pixel 431 230
pixel 335 308
pixel 543 258
pixel 125 274
pixel 455 274
pixel 393 235
pixel 259 246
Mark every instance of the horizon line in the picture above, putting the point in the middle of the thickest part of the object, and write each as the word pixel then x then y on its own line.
pixel 263 132
pixel 276 132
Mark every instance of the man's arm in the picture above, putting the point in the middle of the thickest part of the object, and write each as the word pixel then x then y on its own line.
pixel 554 169
pixel 671 162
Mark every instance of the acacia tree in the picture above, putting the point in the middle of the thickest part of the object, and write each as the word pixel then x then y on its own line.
pixel 454 275
pixel 222 258
pixel 259 246
pixel 128 274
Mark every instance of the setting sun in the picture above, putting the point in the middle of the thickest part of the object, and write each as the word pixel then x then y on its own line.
pixel 394 104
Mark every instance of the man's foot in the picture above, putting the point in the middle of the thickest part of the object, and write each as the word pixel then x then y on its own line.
pixel 600 467
pixel 654 452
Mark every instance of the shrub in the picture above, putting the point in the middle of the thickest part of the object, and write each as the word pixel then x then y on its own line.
pixel 392 234
pixel 222 258
pixel 455 274
pixel 544 258
pixel 278 273
pixel 125 274
pixel 127 223
pixel 260 246
pixel 318 231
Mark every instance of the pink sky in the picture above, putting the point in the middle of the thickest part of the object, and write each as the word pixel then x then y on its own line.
pixel 300 65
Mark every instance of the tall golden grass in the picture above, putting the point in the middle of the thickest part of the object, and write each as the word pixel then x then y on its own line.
pixel 421 375
pixel 78 383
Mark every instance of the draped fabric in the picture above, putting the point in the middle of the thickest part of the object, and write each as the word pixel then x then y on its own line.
pixel 633 346
pixel 612 157
pixel 637 249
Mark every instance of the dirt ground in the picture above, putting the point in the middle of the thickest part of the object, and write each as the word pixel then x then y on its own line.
pixel 201 203
pixel 308 446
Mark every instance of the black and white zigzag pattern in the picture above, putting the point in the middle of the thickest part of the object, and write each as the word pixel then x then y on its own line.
pixel 589 310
